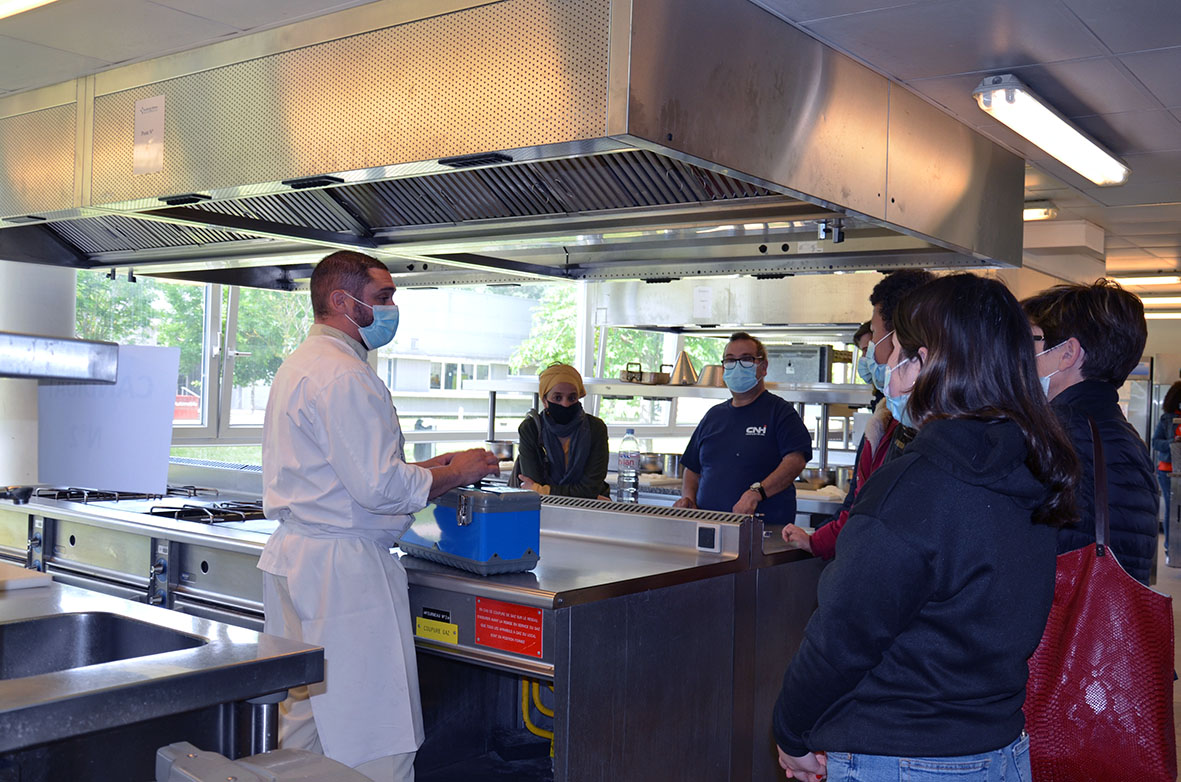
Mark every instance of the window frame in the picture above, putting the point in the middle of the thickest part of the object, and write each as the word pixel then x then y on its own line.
pixel 206 431
pixel 220 342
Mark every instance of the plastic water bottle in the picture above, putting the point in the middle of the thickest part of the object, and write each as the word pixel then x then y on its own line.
pixel 628 486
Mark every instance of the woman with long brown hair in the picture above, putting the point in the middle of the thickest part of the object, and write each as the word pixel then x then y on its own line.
pixel 914 664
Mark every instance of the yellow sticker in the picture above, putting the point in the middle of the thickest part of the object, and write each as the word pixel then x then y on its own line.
pixel 436 630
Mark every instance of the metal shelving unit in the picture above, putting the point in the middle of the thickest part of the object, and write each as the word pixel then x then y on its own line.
pixel 823 394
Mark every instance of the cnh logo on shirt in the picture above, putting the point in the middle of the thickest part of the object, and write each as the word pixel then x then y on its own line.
pixel 756 431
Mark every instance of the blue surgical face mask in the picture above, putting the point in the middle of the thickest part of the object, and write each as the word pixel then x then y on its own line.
pixel 897 405
pixel 877 372
pixel 384 326
pixel 865 367
pixel 740 379
pixel 1045 379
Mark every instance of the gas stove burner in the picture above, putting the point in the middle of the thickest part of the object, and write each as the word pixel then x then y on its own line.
pixel 191 491
pixel 71 494
pixel 214 513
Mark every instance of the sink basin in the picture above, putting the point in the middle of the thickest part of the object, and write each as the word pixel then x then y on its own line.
pixel 46 644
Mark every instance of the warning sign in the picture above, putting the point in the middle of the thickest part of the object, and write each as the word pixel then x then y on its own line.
pixel 508 627
pixel 436 630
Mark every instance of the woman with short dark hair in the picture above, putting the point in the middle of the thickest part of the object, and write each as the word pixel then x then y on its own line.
pixel 915 659
pixel 1088 340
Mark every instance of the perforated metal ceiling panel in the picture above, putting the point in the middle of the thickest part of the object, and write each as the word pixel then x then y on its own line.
pixel 37 161
pixel 514 74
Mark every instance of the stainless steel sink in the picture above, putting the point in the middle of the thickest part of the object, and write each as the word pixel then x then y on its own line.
pixel 46 644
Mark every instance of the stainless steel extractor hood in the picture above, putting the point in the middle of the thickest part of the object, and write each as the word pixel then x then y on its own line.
pixel 576 139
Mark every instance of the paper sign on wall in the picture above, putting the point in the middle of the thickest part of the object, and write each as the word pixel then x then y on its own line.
pixel 149 136
pixel 111 437
pixel 703 302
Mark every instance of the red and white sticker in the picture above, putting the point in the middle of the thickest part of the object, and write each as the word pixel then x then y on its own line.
pixel 508 627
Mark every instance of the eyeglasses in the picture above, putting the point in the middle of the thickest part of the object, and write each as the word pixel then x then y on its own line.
pixel 744 361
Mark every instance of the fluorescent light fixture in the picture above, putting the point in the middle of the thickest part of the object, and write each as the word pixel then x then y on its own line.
pixel 1039 210
pixel 1009 101
pixel 1161 301
pixel 1136 282
pixel 14 7
pixel 1163 315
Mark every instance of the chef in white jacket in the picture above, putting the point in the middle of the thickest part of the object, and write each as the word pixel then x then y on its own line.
pixel 335 479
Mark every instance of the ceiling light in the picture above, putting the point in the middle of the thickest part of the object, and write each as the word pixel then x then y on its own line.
pixel 1039 210
pixel 1161 301
pixel 1163 315
pixel 14 7
pixel 1009 101
pixel 1139 281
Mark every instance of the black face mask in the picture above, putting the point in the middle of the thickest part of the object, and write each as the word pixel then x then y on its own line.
pixel 563 415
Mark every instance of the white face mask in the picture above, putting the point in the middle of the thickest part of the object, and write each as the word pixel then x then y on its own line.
pixel 1045 379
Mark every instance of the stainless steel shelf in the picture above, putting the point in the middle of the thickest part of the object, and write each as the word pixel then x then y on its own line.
pixel 808 393
pixel 58 358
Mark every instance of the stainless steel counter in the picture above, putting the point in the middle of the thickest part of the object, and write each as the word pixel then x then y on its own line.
pixel 232 664
pixel 587 553
pixel 620 591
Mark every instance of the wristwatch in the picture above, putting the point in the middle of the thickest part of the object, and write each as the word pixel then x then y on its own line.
pixel 758 486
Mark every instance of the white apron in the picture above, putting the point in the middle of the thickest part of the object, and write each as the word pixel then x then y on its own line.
pixel 351 595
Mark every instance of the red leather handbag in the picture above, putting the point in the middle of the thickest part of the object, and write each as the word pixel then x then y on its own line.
pixel 1099 702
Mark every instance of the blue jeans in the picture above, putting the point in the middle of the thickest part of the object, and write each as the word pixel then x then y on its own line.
pixel 1008 764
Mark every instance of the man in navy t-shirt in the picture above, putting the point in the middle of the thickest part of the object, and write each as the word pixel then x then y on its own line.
pixel 747 452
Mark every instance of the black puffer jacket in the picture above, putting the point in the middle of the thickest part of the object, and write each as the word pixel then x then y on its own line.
pixel 1132 490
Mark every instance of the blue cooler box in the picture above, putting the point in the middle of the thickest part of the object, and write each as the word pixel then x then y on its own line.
pixel 486 530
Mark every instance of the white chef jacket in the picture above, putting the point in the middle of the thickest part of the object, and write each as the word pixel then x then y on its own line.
pixel 335 479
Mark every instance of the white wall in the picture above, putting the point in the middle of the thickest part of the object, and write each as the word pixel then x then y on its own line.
pixel 411 375
pixel 34 299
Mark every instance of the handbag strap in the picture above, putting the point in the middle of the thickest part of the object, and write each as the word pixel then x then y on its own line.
pixel 1102 509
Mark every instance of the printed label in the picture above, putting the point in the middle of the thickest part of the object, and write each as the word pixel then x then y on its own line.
pixel 508 627
pixel 436 631
pixel 437 614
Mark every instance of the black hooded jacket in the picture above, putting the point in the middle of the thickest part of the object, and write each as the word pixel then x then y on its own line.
pixel 1132 490
pixel 937 597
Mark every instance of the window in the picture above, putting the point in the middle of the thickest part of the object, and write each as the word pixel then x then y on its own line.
pixel 233 340
pixel 149 312
pixel 269 325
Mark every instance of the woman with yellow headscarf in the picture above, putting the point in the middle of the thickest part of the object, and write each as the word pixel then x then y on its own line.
pixel 563 449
